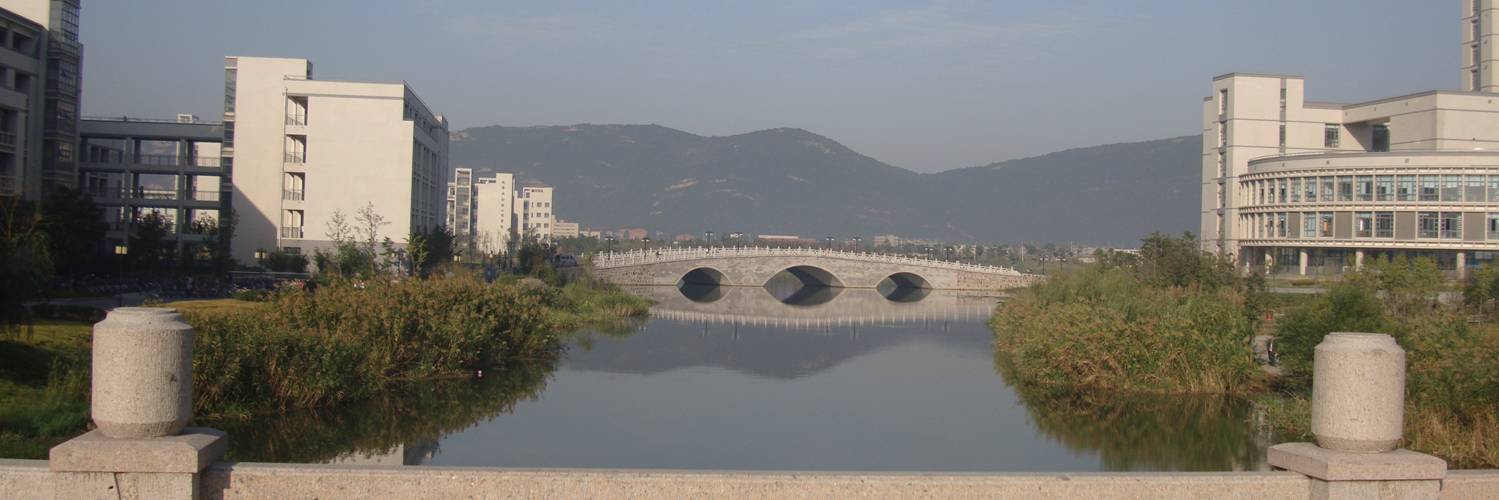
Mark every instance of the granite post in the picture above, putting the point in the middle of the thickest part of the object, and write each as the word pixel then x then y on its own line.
pixel 141 403
pixel 1358 414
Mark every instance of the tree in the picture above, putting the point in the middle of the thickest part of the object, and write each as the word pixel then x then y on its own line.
pixel 217 231
pixel 149 245
pixel 74 228
pixel 25 265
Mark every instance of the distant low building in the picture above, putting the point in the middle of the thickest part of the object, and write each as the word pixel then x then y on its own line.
pixel 634 233
pixel 784 239
pixel 564 229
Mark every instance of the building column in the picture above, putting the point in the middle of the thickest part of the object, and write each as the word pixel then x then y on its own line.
pixel 1302 264
pixel 1358 259
pixel 1462 264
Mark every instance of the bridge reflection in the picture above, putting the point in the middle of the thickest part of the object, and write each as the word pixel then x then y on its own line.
pixel 810 307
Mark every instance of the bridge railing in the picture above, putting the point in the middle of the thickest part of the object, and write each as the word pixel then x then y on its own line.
pixel 608 260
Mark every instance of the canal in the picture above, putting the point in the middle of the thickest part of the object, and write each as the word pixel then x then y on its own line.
pixel 779 378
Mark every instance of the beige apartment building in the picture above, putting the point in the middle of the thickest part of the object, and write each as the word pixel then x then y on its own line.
pixel 1294 186
pixel 300 150
pixel 533 213
pixel 565 229
pixel 494 213
pixel 40 82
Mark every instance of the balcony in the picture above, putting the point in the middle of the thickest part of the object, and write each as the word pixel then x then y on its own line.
pixel 296 158
pixel 8 141
pixel 291 194
pixel 292 232
pixel 296 120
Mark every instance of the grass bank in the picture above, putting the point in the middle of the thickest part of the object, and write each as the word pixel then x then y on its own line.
pixel 344 342
pixel 1173 321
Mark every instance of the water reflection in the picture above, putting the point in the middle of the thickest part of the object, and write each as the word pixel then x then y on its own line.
pixel 736 378
pixel 403 428
pixel 1147 432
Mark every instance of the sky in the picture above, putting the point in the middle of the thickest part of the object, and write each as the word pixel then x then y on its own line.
pixel 927 86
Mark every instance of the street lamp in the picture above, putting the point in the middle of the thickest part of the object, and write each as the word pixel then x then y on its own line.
pixel 830 241
pixel 708 237
pixel 609 243
pixel 260 257
pixel 121 251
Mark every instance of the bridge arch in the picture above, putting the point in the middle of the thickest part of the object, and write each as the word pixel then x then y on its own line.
pixel 702 276
pixel 908 280
pixel 813 276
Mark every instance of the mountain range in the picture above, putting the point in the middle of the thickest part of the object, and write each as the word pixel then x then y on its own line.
pixel 791 181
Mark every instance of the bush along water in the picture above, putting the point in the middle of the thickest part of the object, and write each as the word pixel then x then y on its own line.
pixel 351 339
pixel 1170 320
pixel 1452 355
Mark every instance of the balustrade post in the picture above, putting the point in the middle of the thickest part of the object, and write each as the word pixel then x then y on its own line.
pixel 1358 414
pixel 141 402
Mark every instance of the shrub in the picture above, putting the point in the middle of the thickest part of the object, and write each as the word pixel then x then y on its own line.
pixel 1101 328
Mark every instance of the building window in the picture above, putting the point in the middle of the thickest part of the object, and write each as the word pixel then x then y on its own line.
pixel 1452 188
pixel 1473 190
pixel 1452 225
pixel 1282 135
pixel 1430 188
pixel 1426 224
pixel 1223 134
pixel 1222 165
pixel 1280 190
pixel 1384 188
pixel 1309 224
pixel 1222 102
pixel 1310 192
pixel 1324 225
pixel 1364 188
pixel 1493 229
pixel 1331 135
pixel 1296 190
pixel 1345 188
pixel 1406 190
pixel 1363 225
pixel 1381 138
pixel 1384 224
pixel 1327 189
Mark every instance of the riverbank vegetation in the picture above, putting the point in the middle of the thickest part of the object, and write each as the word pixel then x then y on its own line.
pixel 345 340
pixel 1173 320
pixel 1170 320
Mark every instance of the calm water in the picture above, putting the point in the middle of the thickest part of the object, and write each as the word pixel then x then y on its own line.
pixel 737 378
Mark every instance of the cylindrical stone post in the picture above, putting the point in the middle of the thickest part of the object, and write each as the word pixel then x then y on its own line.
pixel 1358 392
pixel 143 378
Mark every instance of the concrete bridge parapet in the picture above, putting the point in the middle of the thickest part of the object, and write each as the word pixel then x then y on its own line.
pixel 754 266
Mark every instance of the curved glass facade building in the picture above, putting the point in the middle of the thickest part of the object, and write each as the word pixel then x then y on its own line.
pixel 1293 186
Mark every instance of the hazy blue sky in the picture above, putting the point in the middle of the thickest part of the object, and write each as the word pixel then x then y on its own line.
pixel 926 86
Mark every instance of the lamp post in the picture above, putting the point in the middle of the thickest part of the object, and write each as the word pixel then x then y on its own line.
pixel 858 243
pixel 260 257
pixel 121 251
pixel 708 237
pixel 830 241
pixel 609 243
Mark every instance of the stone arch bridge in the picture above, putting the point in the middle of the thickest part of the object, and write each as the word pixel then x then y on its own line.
pixel 755 266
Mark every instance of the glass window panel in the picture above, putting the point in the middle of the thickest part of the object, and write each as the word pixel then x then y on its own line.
pixel 1430 187
pixel 1296 190
pixel 1327 189
pixel 1452 188
pixel 1384 188
pixel 1406 189
pixel 1452 225
pixel 1494 188
pixel 1363 225
pixel 1280 225
pixel 1493 230
pixel 1364 188
pixel 1345 188
pixel 1310 193
pixel 1309 224
pixel 1280 191
pixel 1324 225
pixel 1473 190
pixel 1426 224
pixel 1384 224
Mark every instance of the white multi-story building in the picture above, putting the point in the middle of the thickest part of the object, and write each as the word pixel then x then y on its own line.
pixel 1296 186
pixel 460 211
pixel 533 213
pixel 494 211
pixel 300 150
pixel 565 229
pixel 40 82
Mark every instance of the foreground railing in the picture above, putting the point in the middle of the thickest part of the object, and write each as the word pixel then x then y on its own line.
pixel 605 260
